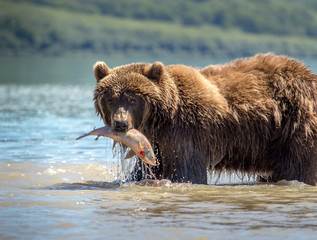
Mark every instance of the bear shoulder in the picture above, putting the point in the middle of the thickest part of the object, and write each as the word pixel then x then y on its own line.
pixel 195 91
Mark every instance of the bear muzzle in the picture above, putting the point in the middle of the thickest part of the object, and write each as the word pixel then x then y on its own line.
pixel 120 126
pixel 120 120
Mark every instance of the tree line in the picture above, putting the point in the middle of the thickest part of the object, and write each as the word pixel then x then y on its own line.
pixel 284 17
pixel 224 28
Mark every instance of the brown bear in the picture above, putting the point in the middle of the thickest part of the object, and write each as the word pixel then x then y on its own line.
pixel 255 115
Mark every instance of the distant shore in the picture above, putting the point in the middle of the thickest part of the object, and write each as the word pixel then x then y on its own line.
pixel 46 30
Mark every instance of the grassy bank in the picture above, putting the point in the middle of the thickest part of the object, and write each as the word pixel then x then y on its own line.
pixel 44 29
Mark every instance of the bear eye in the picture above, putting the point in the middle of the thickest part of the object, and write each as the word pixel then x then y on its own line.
pixel 132 100
pixel 109 101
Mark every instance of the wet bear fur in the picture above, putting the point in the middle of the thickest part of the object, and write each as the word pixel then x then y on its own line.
pixel 254 115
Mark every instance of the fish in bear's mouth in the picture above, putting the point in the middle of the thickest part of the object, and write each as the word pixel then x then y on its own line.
pixel 134 139
pixel 138 143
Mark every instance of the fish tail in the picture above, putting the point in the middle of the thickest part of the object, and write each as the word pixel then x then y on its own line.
pixel 82 136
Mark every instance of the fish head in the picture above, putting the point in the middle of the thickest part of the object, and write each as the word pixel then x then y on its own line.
pixel 148 156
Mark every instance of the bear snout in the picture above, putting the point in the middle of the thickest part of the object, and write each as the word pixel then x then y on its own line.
pixel 120 126
pixel 121 120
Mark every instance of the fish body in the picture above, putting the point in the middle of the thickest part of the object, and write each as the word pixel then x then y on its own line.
pixel 134 139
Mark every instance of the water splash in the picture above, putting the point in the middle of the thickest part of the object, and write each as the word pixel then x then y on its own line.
pixel 124 166
pixel 230 178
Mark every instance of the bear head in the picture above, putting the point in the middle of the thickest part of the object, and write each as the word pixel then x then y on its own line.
pixel 127 96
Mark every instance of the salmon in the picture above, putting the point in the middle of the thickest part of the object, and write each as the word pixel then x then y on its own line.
pixel 134 139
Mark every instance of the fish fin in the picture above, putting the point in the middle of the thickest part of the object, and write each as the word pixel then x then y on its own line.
pixel 114 144
pixel 130 154
pixel 124 147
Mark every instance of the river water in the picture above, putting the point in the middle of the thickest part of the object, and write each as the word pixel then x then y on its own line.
pixel 53 187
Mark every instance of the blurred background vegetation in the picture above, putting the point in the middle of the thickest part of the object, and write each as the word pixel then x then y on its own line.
pixel 213 28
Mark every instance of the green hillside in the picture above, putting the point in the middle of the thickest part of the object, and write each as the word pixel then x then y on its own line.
pixel 225 28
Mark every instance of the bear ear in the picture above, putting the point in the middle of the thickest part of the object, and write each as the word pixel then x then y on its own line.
pixel 156 71
pixel 101 70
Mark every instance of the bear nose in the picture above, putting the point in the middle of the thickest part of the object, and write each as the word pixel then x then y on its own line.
pixel 120 126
